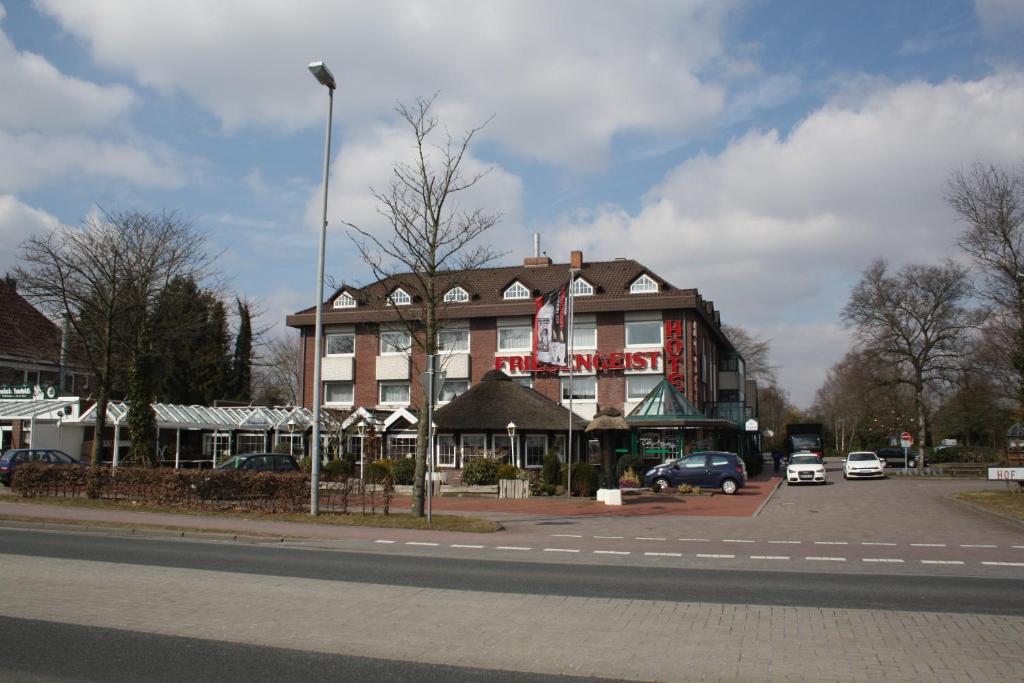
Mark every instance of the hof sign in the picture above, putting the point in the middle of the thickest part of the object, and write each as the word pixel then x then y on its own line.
pixel 1006 473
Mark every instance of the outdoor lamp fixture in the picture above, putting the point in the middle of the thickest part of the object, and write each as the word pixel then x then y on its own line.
pixel 512 443
pixel 362 464
pixel 324 76
pixel 291 436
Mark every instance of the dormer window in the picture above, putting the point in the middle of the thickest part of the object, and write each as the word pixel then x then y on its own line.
pixel 399 297
pixel 581 287
pixel 456 295
pixel 344 300
pixel 643 285
pixel 517 291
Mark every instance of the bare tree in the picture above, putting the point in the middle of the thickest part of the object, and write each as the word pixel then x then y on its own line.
pixel 277 373
pixel 431 237
pixel 756 354
pixel 990 201
pixel 104 277
pixel 915 320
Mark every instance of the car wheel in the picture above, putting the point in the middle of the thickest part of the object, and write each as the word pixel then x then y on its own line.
pixel 661 484
pixel 729 487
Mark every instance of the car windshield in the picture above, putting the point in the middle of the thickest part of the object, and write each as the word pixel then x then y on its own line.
pixel 858 457
pixel 232 463
pixel 804 460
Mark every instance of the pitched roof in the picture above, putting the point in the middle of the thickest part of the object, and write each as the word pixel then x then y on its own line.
pixel 25 333
pixel 496 400
pixel 665 406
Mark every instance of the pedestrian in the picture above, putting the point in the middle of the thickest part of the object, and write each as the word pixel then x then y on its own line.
pixel 776 461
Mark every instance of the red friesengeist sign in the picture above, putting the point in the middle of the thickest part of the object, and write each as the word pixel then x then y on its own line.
pixel 629 360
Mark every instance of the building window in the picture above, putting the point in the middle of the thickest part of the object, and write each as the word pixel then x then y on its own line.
pixel 453 388
pixel 293 443
pixel 345 300
pixel 524 381
pixel 452 340
pixel 643 285
pixel 503 446
pixel 534 448
pixel 515 338
pixel 729 364
pixel 401 446
pixel 394 392
pixel 517 291
pixel 338 392
pixel 728 395
pixel 217 445
pixel 584 336
pixel 446 450
pixel 643 333
pixel 473 446
pixel 580 388
pixel 581 287
pixel 394 342
pixel 456 295
pixel 341 344
pixel 638 386
pixel 251 442
pixel 399 298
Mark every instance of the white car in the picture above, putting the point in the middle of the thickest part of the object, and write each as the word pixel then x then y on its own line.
pixel 863 465
pixel 805 469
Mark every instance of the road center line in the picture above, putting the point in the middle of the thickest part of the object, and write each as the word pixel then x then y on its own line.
pixel 383 541
pixel 663 554
pixel 698 540
pixel 649 538
pixel 561 550
pixel 460 545
pixel 1004 564
pixel 606 537
pixel 769 557
pixel 420 543
pixel 977 545
pixel 942 562
pixel 825 559
pixel 881 559
pixel 566 536
pixel 875 543
pixel 722 557
pixel 927 545
pixel 736 540
pixel 831 543
pixel 512 547
pixel 787 542
pixel 611 552
pixel 1018 547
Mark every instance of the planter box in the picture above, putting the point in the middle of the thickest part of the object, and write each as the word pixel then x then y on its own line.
pixel 513 488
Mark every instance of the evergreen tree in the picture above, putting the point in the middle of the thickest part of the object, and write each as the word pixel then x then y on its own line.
pixel 241 364
pixel 141 416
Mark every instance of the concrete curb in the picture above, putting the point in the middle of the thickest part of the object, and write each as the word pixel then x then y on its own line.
pixel 985 511
pixel 768 498
pixel 143 532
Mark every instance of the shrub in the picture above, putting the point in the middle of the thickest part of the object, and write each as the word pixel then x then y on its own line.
pixel 551 471
pixel 629 479
pixel 688 489
pixel 379 472
pixel 336 470
pixel 404 471
pixel 630 461
pixel 480 472
pixel 966 454
pixel 507 471
pixel 585 479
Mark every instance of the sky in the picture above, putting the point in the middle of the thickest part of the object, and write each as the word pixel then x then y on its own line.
pixel 762 152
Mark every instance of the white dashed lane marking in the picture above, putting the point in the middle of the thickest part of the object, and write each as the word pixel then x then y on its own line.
pixel 512 547
pixel 1004 564
pixel 383 541
pixel 611 552
pixel 650 538
pixel 736 540
pixel 663 554
pixel 769 557
pixel 1018 547
pixel 881 559
pixel 561 550
pixel 566 536
pixel 460 545
pixel 697 540
pixel 609 537
pixel 814 558
pixel 927 545
pixel 942 562
pixel 831 543
pixel 787 542
pixel 719 557
pixel 420 543
pixel 977 545
pixel 875 543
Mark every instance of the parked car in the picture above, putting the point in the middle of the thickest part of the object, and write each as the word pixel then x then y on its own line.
pixel 893 457
pixel 710 469
pixel 260 462
pixel 805 468
pixel 10 460
pixel 863 464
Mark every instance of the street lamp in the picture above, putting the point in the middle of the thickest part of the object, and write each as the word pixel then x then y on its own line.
pixel 362 463
pixel 291 436
pixel 323 75
pixel 512 443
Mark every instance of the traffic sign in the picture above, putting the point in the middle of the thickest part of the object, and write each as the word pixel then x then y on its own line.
pixel 906 439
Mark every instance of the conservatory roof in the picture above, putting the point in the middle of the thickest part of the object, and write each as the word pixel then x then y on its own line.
pixel 665 406
pixel 255 418
pixel 37 409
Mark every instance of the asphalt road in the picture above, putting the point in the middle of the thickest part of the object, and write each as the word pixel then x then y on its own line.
pixel 951 594
pixel 89 653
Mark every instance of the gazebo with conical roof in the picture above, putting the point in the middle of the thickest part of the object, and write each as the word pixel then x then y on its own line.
pixel 660 420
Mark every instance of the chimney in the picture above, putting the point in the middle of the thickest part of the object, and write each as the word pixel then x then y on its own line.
pixel 536 259
pixel 11 282
pixel 576 260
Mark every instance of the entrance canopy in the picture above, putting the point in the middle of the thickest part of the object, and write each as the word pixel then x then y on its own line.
pixel 253 418
pixel 38 409
pixel 665 406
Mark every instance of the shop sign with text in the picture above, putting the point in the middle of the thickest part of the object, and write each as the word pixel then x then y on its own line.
pixel 674 354
pixel 27 391
pixel 622 360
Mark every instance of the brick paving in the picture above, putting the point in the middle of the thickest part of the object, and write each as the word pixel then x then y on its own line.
pixel 543 634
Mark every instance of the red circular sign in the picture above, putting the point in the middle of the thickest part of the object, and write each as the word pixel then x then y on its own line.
pixel 907 436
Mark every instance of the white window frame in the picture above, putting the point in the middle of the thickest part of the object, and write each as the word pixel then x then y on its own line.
pixel 446 450
pixel 516 291
pixel 526 450
pixel 291 440
pixel 577 382
pixel 529 344
pixel 461 331
pixel 327 343
pixel 630 379
pixel 502 442
pixel 581 287
pixel 405 346
pixel 380 392
pixel 250 438
pixel 463 446
pixel 449 382
pixel 580 328
pixel 456 295
pixel 217 445
pixel 556 442
pixel 344 300
pixel 352 392
pixel 405 439
pixel 661 334
pixel 399 297
pixel 644 284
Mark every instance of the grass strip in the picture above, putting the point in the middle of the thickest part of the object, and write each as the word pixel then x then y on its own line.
pixel 1003 502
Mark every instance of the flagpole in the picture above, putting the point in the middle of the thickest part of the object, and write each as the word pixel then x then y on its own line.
pixel 572 387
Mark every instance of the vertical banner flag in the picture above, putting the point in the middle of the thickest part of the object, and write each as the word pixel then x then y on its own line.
pixel 549 329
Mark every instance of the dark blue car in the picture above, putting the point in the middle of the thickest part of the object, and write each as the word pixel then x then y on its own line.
pixel 10 460
pixel 709 470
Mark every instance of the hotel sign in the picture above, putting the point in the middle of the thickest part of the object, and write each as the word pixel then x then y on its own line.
pixel 674 353
pixel 620 360
pixel 27 391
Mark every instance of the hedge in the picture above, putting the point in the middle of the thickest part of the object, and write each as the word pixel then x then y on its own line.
pixel 404 471
pixel 480 472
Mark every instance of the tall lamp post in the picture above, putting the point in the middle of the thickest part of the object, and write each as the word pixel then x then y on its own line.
pixel 362 456
pixel 512 443
pixel 326 79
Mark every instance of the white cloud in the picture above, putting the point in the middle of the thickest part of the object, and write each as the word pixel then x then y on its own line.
pixel 19 221
pixel 564 78
pixel 1001 16
pixel 777 227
